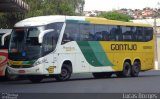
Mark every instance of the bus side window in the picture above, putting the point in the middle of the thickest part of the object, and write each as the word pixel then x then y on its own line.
pixel 48 43
pixel 133 31
pixel 139 34
pixel 148 33
pixel 127 33
pixel 57 29
pixel 71 33
pixel 86 32
pixel 119 33
pixel 66 37
pixel 101 33
pixel 112 32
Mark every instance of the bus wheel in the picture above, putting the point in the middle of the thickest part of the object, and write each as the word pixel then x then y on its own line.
pixel 65 74
pixel 135 69
pixel 35 78
pixel 126 70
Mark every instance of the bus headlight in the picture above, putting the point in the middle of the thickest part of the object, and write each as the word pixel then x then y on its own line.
pixel 36 63
pixel 39 62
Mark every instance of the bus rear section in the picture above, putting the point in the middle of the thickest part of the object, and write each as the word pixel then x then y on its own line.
pixel 3 61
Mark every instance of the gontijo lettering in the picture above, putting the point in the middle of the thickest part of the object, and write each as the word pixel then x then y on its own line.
pixel 124 47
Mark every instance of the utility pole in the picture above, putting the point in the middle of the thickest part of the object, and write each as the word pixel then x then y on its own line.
pixel 155 36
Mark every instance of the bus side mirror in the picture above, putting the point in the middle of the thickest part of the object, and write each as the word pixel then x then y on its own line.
pixel 41 35
pixel 3 38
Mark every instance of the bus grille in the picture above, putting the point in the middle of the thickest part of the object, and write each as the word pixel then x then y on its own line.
pixel 21 66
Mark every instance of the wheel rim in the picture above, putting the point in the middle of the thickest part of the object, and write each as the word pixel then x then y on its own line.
pixel 127 70
pixel 64 74
pixel 136 68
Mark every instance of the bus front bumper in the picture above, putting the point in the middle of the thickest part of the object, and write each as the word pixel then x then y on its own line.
pixel 36 70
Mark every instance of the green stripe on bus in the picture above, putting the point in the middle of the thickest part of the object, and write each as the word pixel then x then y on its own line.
pixel 94 53
pixel 88 53
pixel 77 21
pixel 100 53
pixel 28 62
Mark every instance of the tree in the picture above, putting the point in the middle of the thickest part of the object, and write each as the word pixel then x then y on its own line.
pixel 40 8
pixel 8 20
pixel 113 15
pixel 51 7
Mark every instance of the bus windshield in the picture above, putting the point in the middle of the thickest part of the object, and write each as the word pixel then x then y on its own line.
pixel 24 43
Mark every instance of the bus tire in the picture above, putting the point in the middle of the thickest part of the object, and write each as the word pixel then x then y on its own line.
pixel 126 72
pixel 35 78
pixel 135 69
pixel 65 73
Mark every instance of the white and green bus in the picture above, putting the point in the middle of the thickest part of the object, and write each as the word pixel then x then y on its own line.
pixel 59 46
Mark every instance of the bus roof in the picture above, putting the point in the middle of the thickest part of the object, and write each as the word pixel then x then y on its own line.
pixel 96 20
pixel 43 20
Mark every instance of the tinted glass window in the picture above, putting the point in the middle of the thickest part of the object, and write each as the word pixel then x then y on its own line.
pixel 112 31
pixel 148 34
pixel 115 33
pixel 49 43
pixel 139 34
pixel 95 32
pixel 127 32
pixel 86 32
pixel 24 44
pixel 71 33
pixel 101 33
pixel 55 26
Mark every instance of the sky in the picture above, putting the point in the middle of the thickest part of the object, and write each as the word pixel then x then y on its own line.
pixel 106 5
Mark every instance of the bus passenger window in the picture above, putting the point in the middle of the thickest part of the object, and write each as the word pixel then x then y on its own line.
pixel 86 32
pixel 66 38
pixel 101 33
pixel 112 32
pixel 127 33
pixel 98 36
pixel 105 36
pixel 91 37
pixel 118 33
pixel 71 33
pixel 139 34
pixel 148 33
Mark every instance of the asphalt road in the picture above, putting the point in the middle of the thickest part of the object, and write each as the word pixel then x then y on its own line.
pixel 147 82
